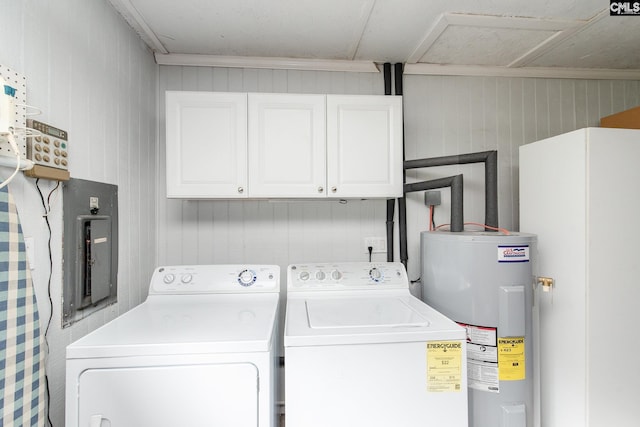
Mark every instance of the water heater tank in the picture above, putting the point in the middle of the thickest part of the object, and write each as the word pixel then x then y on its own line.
pixel 484 281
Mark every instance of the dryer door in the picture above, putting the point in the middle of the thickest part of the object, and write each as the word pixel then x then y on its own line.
pixel 169 396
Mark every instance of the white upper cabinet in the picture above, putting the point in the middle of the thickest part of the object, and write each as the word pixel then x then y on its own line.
pixel 260 145
pixel 287 145
pixel 206 144
pixel 364 146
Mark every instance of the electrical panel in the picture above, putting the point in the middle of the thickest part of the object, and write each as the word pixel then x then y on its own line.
pixel 90 255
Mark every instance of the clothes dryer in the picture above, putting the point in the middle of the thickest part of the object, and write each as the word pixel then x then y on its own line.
pixel 360 350
pixel 200 351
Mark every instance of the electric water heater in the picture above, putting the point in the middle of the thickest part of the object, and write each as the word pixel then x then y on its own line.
pixel 484 282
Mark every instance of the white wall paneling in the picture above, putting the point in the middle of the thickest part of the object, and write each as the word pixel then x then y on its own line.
pixel 455 115
pixel 91 75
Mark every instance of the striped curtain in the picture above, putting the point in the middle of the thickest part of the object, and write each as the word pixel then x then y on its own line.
pixel 22 381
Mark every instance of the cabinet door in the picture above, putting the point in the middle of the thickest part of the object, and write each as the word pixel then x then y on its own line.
pixel 206 144
pixel 287 145
pixel 364 146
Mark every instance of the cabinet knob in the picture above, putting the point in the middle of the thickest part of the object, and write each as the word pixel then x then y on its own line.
pixel 334 189
pixel 320 189
pixel 240 190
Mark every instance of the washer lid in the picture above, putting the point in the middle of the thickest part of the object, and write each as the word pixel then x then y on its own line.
pixel 185 324
pixel 351 319
pixel 367 313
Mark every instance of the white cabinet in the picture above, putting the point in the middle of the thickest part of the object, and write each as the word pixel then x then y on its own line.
pixel 206 144
pixel 287 145
pixel 230 145
pixel 578 194
pixel 364 146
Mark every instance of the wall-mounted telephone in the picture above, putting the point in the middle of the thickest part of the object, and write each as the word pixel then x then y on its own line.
pixel 49 148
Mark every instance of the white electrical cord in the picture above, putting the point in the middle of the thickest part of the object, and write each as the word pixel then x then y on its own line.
pixel 14 147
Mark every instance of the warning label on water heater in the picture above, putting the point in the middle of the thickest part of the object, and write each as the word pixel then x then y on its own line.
pixel 482 357
pixel 513 253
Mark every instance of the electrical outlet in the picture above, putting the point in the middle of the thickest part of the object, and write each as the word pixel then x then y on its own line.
pixel 30 250
pixel 379 244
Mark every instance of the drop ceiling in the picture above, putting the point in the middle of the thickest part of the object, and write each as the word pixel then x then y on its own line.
pixel 495 37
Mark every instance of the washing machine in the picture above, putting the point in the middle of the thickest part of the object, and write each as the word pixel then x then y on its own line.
pixel 360 350
pixel 199 351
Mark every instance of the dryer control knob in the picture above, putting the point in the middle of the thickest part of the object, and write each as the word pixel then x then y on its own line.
pixel 246 278
pixel 304 276
pixel 336 275
pixel 168 278
pixel 320 275
pixel 375 274
pixel 186 278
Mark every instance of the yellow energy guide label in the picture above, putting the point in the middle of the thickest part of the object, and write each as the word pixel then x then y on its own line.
pixel 511 359
pixel 444 366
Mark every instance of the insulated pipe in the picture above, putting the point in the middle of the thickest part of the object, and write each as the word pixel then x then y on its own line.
pixel 489 158
pixel 457 189
pixel 402 202
pixel 402 225
pixel 398 73
pixel 391 203
pixel 387 78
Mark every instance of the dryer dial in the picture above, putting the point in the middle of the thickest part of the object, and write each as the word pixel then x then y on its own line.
pixel 168 278
pixel 375 274
pixel 247 277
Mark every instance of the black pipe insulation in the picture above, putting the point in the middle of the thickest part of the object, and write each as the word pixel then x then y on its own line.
pixel 490 160
pixel 402 225
pixel 402 202
pixel 391 207
pixel 386 68
pixel 398 74
pixel 391 203
pixel 456 159
pixel 457 189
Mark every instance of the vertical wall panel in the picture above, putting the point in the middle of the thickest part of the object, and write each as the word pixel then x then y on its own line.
pixel 91 75
pixel 504 114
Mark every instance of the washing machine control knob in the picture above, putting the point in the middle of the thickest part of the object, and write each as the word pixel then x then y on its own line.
pixel 336 275
pixel 168 278
pixel 246 278
pixel 375 274
pixel 186 278
pixel 321 275
pixel 304 276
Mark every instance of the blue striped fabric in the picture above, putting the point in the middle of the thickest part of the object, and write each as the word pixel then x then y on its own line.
pixel 22 382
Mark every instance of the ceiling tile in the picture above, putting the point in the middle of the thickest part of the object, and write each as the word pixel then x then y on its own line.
pixel 612 42
pixel 461 45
